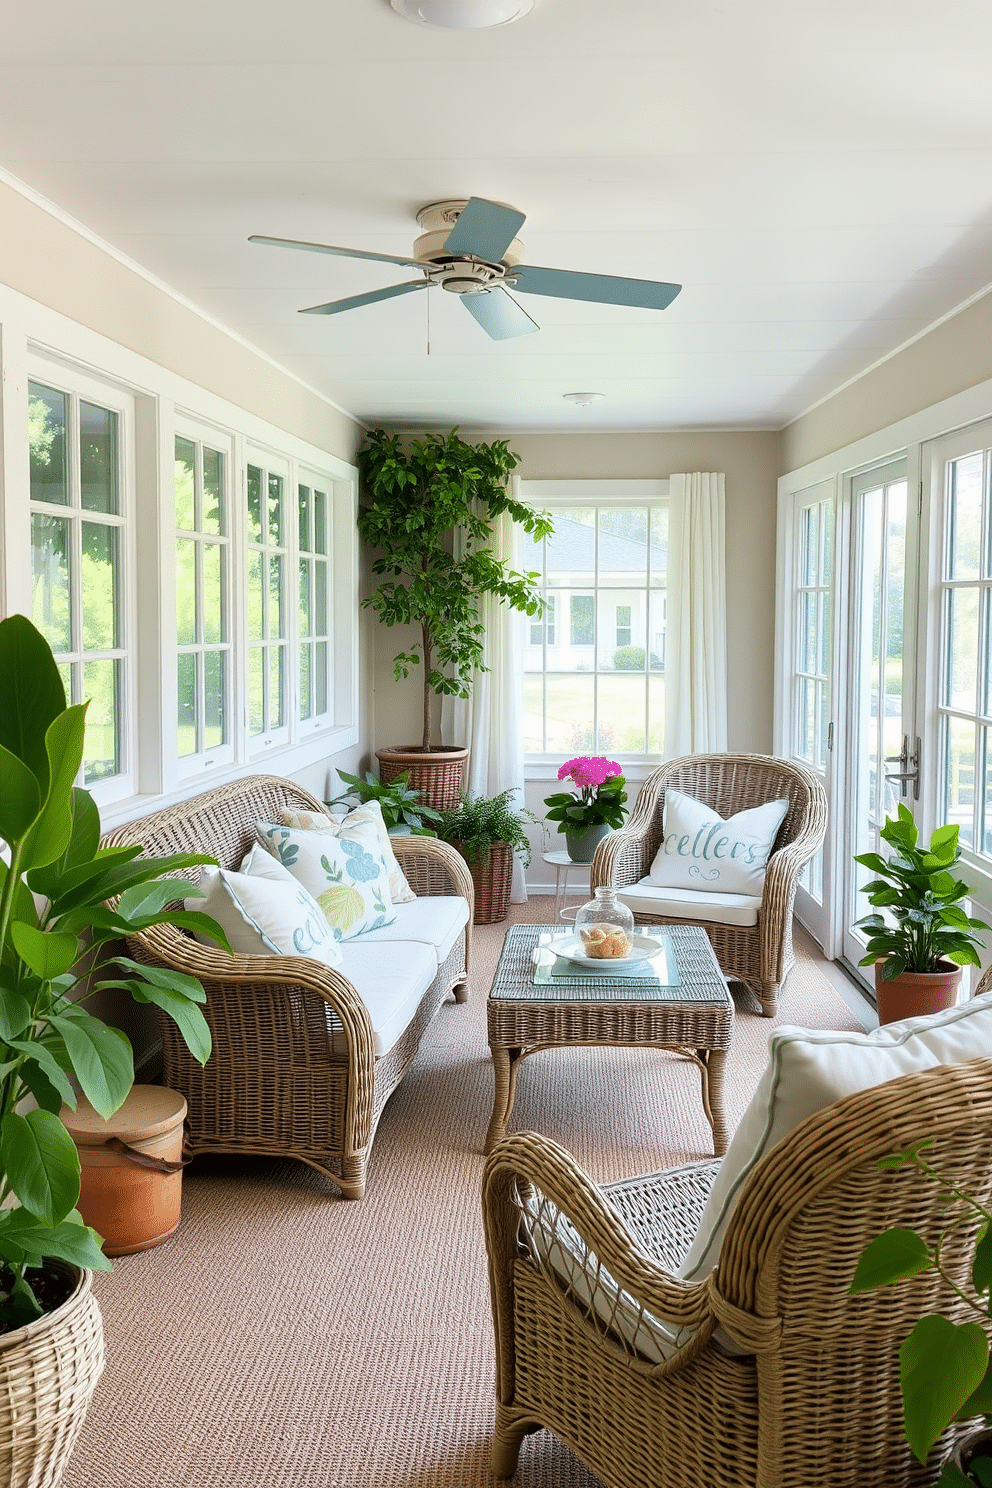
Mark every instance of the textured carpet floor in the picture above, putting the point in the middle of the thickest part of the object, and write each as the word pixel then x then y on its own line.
pixel 285 1337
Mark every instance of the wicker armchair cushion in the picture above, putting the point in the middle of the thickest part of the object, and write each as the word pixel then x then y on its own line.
pixel 348 877
pixel 435 920
pixel 390 978
pixel 691 904
pixel 265 913
pixel 559 1249
pixel 809 1070
pixel 345 824
pixel 701 849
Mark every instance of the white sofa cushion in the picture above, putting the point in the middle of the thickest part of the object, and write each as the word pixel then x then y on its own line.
pixel 348 877
pixel 265 914
pixel 808 1070
pixel 347 824
pixel 433 919
pixel 390 977
pixel 691 904
pixel 699 849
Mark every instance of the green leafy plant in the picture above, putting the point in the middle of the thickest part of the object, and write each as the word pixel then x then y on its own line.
pixel 944 1366
pixel 402 810
pixel 917 888
pixel 49 967
pixel 482 822
pixel 416 501
pixel 629 658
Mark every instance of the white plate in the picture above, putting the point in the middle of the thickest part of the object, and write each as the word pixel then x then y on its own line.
pixel 571 948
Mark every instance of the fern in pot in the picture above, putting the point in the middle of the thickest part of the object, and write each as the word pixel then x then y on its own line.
pixel 488 831
pixel 55 880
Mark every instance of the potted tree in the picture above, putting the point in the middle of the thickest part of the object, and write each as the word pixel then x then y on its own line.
pixel 429 512
pixel 54 921
pixel 487 831
pixel 917 952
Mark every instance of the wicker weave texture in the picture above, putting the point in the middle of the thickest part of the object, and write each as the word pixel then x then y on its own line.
pixel 492 878
pixel 814 1401
pixel 48 1372
pixel 438 780
pixel 273 1083
pixel 761 955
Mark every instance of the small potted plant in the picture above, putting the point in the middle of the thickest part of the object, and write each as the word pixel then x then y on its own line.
pixel 429 511
pixel 598 808
pixel 402 810
pixel 487 831
pixel 921 941
pixel 945 1372
pixel 54 923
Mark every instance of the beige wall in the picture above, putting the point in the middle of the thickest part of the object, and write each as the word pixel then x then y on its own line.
pixel 749 461
pixel 43 258
pixel 955 355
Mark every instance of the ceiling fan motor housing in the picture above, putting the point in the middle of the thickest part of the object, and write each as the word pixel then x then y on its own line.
pixel 463 274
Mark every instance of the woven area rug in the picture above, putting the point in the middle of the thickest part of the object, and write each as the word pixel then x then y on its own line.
pixel 285 1338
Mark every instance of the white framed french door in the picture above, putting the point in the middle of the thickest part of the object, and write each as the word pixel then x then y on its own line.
pixel 884 743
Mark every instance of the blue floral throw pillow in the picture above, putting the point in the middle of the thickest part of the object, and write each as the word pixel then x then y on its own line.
pixel 348 877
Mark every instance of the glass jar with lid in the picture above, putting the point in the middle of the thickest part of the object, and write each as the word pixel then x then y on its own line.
pixel 605 926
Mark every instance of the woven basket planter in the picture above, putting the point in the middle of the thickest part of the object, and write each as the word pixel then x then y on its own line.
pixel 492 878
pixel 437 775
pixel 48 1372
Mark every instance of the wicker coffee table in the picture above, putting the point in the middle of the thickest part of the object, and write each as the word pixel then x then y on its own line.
pixel 695 1019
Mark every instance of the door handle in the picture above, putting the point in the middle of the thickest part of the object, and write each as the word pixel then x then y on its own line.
pixel 910 767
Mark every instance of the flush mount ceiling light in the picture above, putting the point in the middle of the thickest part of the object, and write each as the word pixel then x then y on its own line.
pixel 462 15
pixel 582 400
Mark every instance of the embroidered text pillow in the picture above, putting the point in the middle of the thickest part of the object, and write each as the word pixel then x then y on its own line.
pixel 699 850
pixel 347 876
pixel 400 891
pixel 266 915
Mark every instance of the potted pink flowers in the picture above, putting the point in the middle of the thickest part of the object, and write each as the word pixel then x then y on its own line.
pixel 596 810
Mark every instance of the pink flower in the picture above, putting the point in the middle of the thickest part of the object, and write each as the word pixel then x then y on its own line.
pixel 589 771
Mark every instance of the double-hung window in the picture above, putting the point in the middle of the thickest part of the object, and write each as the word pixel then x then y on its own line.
pixel 268 602
pixel 204 665
pixel 594 667
pixel 314 600
pixel 79 438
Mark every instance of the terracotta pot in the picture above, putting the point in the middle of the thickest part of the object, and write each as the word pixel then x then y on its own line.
pixel 916 993
pixel 131 1167
pixel 48 1372
pixel 436 774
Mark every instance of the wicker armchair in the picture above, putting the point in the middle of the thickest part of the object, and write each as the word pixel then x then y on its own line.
pixel 278 1081
pixel 760 955
pixel 810 1397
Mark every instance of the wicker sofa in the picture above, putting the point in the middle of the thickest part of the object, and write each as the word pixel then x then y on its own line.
pixel 294 1069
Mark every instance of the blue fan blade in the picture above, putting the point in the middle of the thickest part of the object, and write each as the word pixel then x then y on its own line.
pixel 334 307
pixel 499 315
pixel 408 263
pixel 484 229
pixel 601 289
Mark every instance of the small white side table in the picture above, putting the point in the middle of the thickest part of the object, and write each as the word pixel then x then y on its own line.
pixel 562 863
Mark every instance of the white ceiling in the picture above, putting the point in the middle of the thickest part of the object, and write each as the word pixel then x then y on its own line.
pixel 817 176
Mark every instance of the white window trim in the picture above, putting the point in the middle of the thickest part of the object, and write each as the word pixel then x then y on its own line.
pixel 550 494
pixel 161 398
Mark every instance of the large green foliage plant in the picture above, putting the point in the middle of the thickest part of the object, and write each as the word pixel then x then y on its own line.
pixel 54 925
pixel 429 511
pixel 922 922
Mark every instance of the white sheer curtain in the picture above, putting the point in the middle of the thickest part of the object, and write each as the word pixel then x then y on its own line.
pixel 696 641
pixel 490 722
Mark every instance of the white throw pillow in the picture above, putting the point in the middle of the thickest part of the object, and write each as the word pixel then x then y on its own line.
pixel 346 825
pixel 809 1070
pixel 266 916
pixel 347 876
pixel 700 850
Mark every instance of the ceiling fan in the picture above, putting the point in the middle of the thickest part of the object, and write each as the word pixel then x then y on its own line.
pixel 470 248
